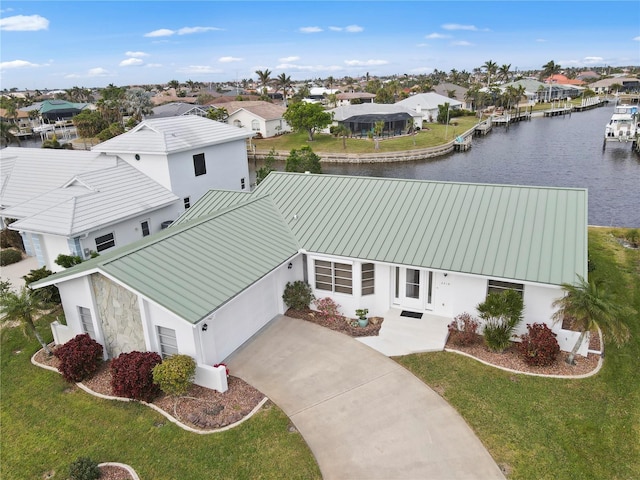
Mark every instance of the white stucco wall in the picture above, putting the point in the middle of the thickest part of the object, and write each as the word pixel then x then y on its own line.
pixel 78 293
pixel 226 165
pixel 130 230
pixel 154 316
pixel 155 166
pixel 52 246
pixel 234 323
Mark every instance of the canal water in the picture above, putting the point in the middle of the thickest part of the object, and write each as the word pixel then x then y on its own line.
pixel 563 151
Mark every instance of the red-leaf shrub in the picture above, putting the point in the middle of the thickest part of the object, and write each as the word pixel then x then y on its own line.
pixel 329 309
pixel 539 346
pixel 132 375
pixel 79 358
pixel 463 330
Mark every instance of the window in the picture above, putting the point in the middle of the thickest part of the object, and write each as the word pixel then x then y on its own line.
pixel 368 279
pixel 242 184
pixel 167 341
pixel 104 242
pixel 497 286
pixel 334 277
pixel 187 202
pixel 199 164
pixel 144 226
pixel 255 125
pixel 87 323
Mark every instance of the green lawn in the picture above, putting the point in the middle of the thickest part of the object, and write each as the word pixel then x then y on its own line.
pixel 431 137
pixel 552 428
pixel 46 426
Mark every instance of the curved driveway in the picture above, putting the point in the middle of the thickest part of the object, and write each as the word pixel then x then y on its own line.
pixel 363 415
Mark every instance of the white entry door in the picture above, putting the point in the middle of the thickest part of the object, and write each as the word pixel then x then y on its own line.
pixel 413 288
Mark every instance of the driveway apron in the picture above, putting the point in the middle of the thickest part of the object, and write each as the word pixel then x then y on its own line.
pixel 362 415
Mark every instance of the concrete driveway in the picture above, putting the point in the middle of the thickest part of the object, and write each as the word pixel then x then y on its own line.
pixel 363 415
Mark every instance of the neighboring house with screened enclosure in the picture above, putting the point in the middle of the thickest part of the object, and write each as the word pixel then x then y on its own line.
pixel 208 283
pixel 79 202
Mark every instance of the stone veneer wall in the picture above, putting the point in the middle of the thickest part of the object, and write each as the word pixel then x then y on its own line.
pixel 119 312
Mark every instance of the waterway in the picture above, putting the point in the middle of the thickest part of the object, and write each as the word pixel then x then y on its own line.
pixel 563 151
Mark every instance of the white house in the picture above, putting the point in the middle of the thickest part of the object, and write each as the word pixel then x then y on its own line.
pixel 209 282
pixel 426 104
pixel 188 154
pixel 264 118
pixel 77 202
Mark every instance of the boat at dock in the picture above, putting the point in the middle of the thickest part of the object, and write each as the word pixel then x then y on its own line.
pixel 623 125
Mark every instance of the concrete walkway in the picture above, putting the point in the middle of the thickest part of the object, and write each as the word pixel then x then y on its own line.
pixel 14 272
pixel 403 335
pixel 362 414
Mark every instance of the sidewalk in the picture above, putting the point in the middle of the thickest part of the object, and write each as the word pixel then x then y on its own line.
pixel 14 272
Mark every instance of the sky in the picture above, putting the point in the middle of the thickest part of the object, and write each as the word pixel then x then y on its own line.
pixel 85 43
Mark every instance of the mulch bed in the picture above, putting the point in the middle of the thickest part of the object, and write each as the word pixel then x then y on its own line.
pixel 114 472
pixel 339 324
pixel 511 359
pixel 201 408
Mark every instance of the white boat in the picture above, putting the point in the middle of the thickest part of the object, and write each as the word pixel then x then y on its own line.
pixel 623 126
pixel 45 127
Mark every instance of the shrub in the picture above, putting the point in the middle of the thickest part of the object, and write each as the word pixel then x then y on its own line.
pixel 297 295
pixel 329 309
pixel 132 375
pixel 79 358
pixel 539 346
pixel 68 261
pixel 463 330
pixel 175 375
pixel 84 469
pixel 9 256
pixel 49 294
pixel 497 335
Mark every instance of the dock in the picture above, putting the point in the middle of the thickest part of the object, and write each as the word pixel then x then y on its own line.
pixel 589 103
pixel 462 144
pixel 509 118
pixel 483 127
pixel 554 112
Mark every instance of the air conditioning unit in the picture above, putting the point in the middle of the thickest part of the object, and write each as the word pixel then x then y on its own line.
pixel 166 224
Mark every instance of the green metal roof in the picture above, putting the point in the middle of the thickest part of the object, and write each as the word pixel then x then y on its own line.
pixel 535 234
pixel 194 269
pixel 212 201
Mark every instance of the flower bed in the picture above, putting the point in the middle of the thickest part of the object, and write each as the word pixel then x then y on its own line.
pixel 339 324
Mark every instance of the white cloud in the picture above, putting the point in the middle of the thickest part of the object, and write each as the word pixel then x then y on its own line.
pixel 163 32
pixel 335 29
pixel 17 64
pixel 365 63
pixel 592 60
pixel 354 28
pixel 230 59
pixel 436 36
pixel 153 65
pixel 24 23
pixel 136 54
pixel 199 70
pixel 457 26
pixel 308 68
pixel 637 39
pixel 289 59
pixel 98 72
pixel 461 43
pixel 131 62
pixel 310 29
pixel 190 30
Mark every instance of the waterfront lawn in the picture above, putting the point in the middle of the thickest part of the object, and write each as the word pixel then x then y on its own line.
pixel 433 136
pixel 47 424
pixel 543 428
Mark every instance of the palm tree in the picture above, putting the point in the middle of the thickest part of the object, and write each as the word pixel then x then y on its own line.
pixel 588 307
pixel 491 68
pixel 6 133
pixel 283 81
pixel 23 307
pixel 265 77
pixel 341 130
pixel 549 69
pixel 504 72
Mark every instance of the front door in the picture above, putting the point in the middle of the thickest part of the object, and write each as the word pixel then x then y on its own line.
pixel 413 288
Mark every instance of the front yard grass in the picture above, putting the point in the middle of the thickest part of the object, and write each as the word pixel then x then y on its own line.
pixel 47 424
pixel 545 428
